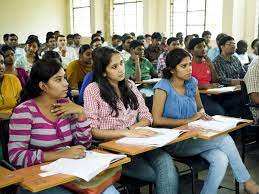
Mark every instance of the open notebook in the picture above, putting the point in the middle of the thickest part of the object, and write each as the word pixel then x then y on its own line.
pixel 223 89
pixel 163 137
pixel 85 168
pixel 219 123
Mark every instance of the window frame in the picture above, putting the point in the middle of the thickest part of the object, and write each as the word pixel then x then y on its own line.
pixel 125 2
pixel 73 17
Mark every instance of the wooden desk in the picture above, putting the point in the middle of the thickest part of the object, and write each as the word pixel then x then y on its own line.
pixel 210 134
pixel 35 183
pixel 237 89
pixel 133 150
pixel 8 177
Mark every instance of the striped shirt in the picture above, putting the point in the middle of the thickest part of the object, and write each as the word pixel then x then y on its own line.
pixel 228 69
pixel 99 112
pixel 31 134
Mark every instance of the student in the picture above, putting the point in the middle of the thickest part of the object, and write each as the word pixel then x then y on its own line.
pixel 9 60
pixel 51 44
pixel 76 70
pixel 67 54
pixel 148 40
pixel 179 36
pixel 96 43
pixel 207 36
pixel 70 40
pixel 115 108
pixel 13 42
pixel 214 52
pixel 241 54
pixel 32 46
pixel 77 43
pixel 254 45
pixel 125 47
pixel 177 102
pixel 252 82
pixel 138 68
pixel 43 110
pixel 256 57
pixel 10 88
pixel 153 50
pixel 172 43
pixel 116 41
pixel 204 71
pixel 187 39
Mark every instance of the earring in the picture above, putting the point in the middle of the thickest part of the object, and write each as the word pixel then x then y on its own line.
pixel 104 74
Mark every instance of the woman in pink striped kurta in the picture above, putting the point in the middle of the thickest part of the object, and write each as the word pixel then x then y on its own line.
pixel 46 126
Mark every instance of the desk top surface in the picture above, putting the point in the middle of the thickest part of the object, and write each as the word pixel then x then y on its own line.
pixel 8 177
pixel 34 182
pixel 138 149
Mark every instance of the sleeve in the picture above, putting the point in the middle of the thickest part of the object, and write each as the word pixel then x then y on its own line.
pixel 87 80
pixel 19 139
pixel 162 85
pixel 142 109
pixel 81 131
pixel 128 72
pixel 18 88
pixel 221 74
pixel 71 77
pixel 91 104
pixel 152 68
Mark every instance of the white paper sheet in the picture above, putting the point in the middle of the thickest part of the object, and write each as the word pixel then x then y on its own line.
pixel 219 123
pixel 163 137
pixel 85 168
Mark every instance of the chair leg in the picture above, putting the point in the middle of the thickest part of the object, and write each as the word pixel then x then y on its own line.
pixel 237 186
pixel 150 188
pixel 193 181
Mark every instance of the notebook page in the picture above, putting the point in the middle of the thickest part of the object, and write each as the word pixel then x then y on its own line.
pixel 85 168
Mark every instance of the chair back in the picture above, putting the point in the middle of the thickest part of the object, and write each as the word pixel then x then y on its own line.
pixel 245 101
pixel 4 137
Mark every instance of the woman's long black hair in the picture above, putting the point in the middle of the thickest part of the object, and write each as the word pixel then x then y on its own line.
pixel 101 59
pixel 41 71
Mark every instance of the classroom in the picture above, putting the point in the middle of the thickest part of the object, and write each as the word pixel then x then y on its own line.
pixel 129 96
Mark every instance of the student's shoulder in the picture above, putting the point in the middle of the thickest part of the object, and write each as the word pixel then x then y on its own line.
pixel 12 78
pixel 93 88
pixel 28 106
pixel 163 84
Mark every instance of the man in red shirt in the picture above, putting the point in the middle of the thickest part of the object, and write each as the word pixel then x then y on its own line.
pixel 204 71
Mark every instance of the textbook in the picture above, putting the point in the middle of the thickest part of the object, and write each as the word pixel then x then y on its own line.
pixel 219 123
pixel 163 137
pixel 223 89
pixel 86 168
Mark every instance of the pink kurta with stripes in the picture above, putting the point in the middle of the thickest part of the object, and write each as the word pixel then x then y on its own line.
pixel 32 134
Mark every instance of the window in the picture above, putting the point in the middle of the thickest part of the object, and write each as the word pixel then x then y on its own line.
pixel 195 16
pixel 81 17
pixel 127 16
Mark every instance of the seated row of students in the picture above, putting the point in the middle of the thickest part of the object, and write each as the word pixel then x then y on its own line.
pixel 113 108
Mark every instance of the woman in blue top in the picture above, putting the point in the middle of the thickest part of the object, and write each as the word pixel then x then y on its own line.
pixel 177 102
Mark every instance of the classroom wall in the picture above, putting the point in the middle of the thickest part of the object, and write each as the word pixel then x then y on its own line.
pixel 25 17
pixel 38 17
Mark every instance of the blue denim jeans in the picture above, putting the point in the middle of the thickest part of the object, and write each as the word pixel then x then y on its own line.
pixel 157 167
pixel 61 190
pixel 218 152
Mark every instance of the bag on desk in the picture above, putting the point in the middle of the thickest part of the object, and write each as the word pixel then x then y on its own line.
pixel 98 184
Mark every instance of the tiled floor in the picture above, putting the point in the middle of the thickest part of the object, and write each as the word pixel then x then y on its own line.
pixel 252 163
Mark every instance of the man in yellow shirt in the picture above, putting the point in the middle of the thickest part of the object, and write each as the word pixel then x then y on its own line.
pixel 76 70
